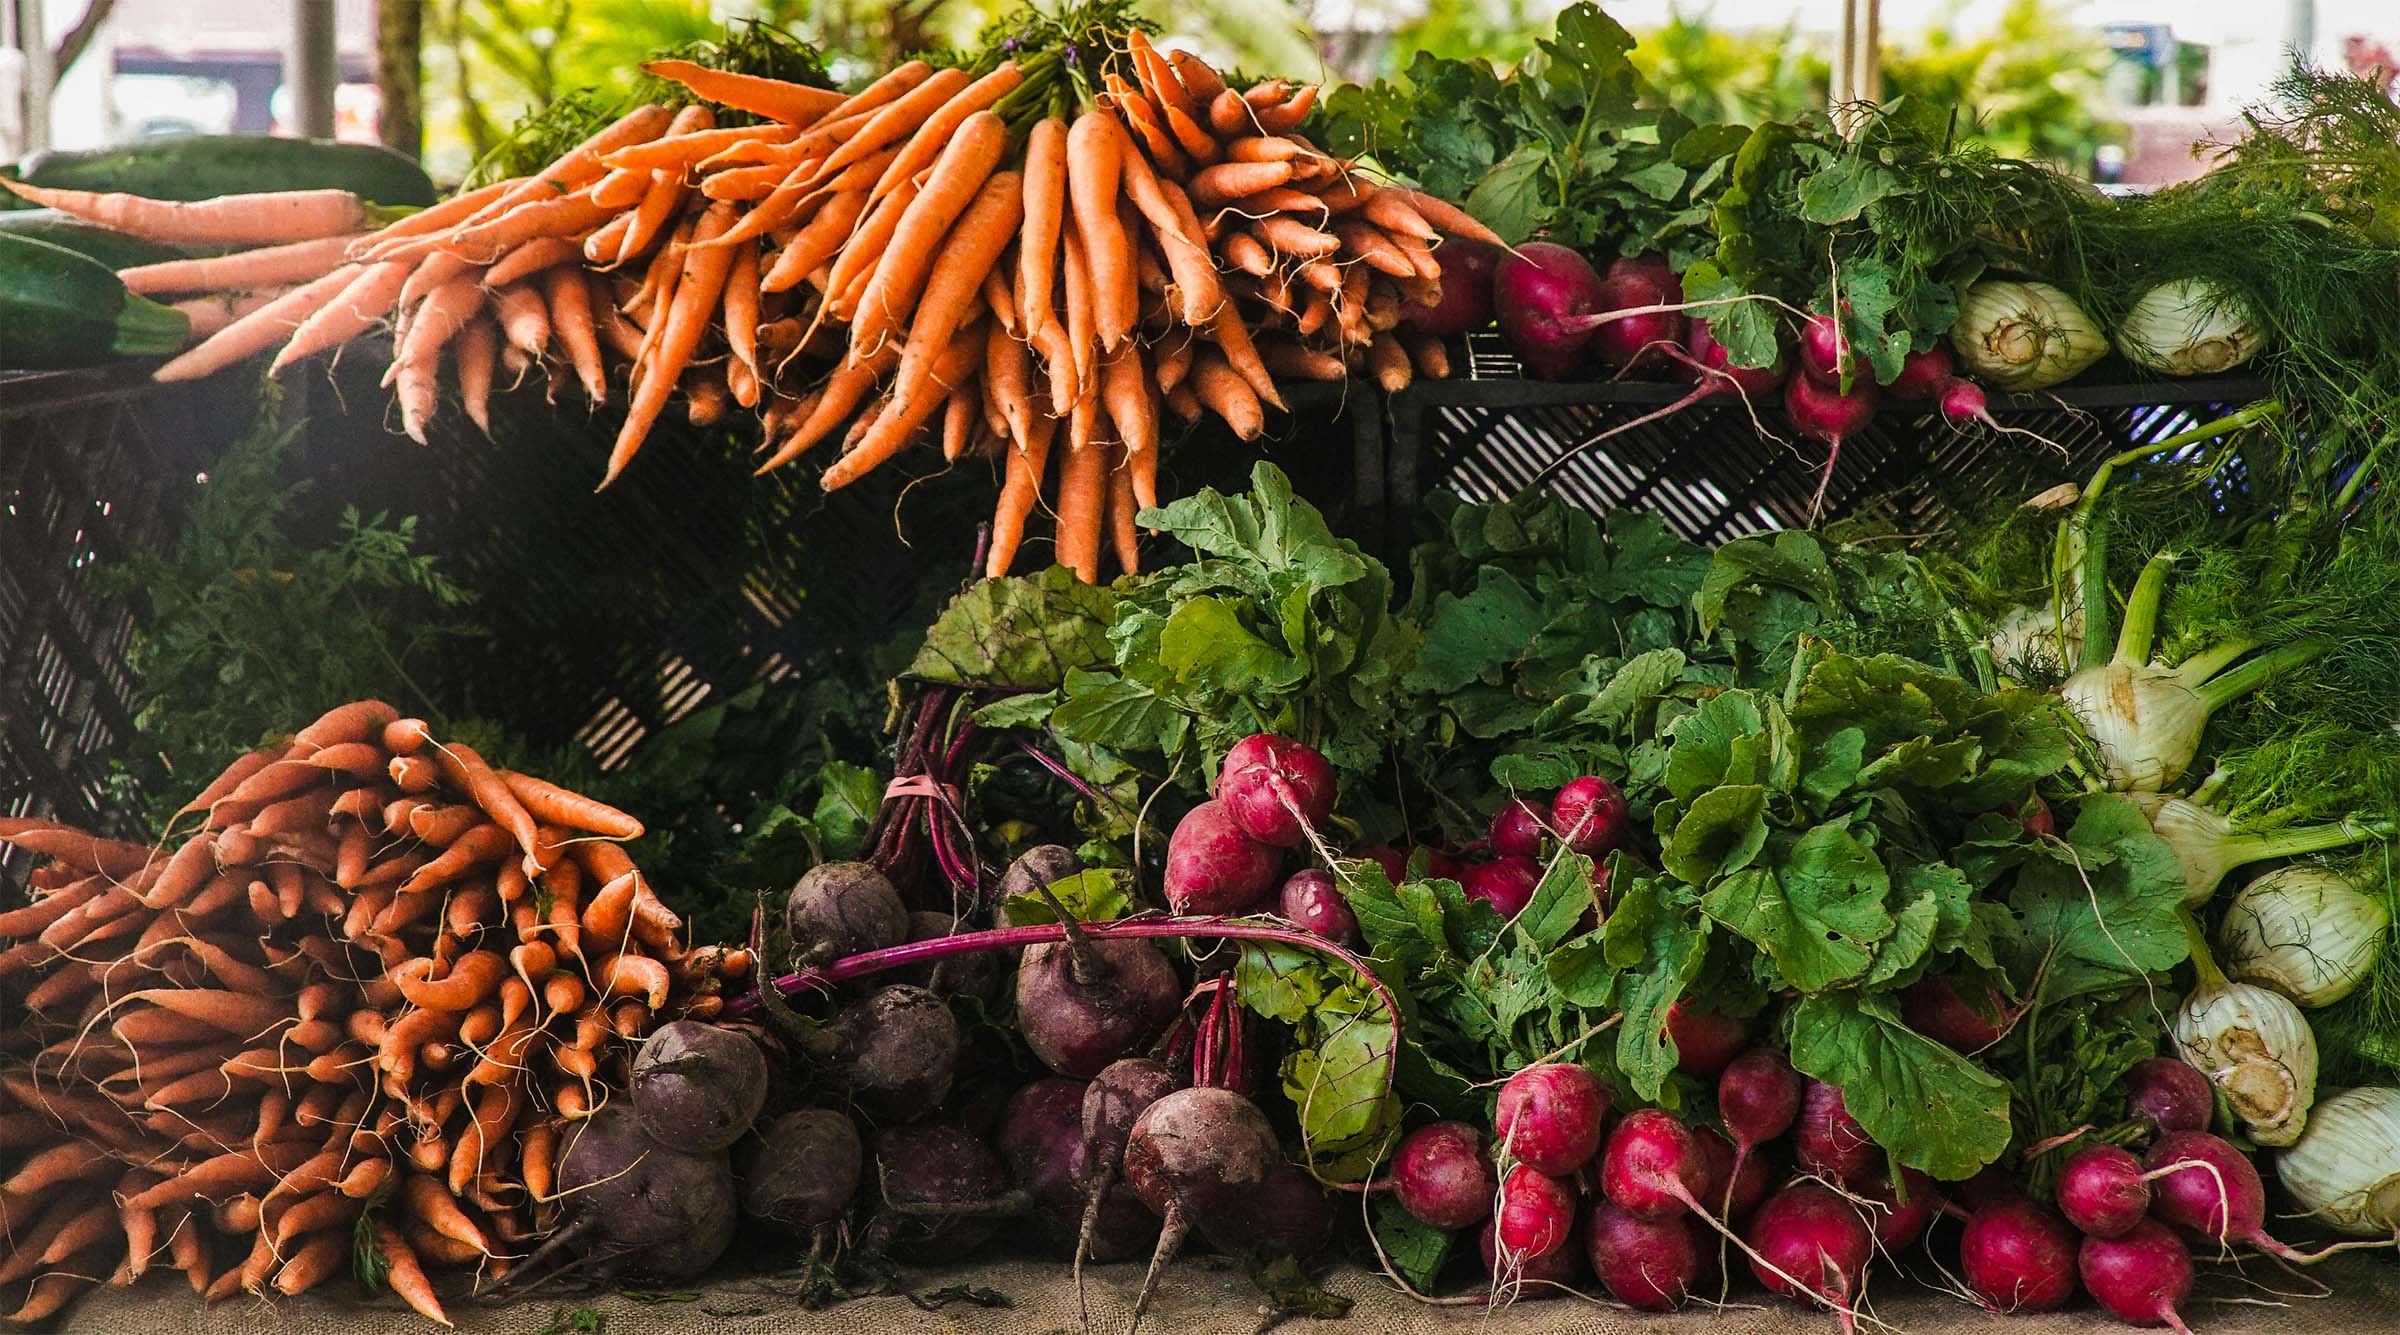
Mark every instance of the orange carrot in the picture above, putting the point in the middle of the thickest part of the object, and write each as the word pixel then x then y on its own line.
pixel 741 310
pixel 1286 116
pixel 956 282
pixel 1233 339
pixel 443 315
pixel 523 316
pixel 1226 393
pixel 582 163
pixel 571 320
pixel 425 1199
pixel 257 331
pixel 439 217
pixel 844 390
pixel 776 99
pixel 565 215
pixel 917 246
pixel 958 421
pixel 1125 391
pixel 405 1274
pixel 1018 495
pixel 1230 181
pixel 1290 236
pixel 632 976
pixel 274 217
pixel 532 258
pixel 1445 216
pixel 931 140
pixel 1170 216
pixel 816 243
pixel 1082 495
pixel 478 351
pixel 744 185
pixel 1095 152
pixel 863 252
pixel 704 270
pixel 294 263
pixel 1123 536
pixel 650 217
pixel 554 805
pixel 898 423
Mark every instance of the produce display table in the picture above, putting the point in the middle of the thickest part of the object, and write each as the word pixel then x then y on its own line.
pixel 1211 1296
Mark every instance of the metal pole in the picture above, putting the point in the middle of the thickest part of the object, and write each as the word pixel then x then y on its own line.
pixel 33 42
pixel 314 69
pixel 1867 65
pixel 1845 52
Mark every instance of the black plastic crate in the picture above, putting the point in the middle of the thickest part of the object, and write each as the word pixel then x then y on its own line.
pixel 1711 474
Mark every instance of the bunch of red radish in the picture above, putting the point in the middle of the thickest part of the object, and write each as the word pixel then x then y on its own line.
pixel 1587 815
pixel 1273 794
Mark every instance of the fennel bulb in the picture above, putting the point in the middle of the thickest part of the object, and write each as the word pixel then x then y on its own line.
pixel 2024 336
pixel 2209 845
pixel 2345 1171
pixel 2028 642
pixel 2255 1047
pixel 2304 931
pixel 2189 326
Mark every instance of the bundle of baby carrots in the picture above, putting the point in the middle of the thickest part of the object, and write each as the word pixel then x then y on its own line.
pixel 341 1022
pixel 1045 252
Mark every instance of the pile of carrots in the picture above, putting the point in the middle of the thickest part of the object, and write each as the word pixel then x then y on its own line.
pixel 341 1022
pixel 1045 254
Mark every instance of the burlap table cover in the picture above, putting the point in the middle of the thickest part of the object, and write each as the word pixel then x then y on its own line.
pixel 1208 1296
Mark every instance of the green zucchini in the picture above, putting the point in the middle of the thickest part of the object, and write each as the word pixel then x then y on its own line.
pixel 112 248
pixel 204 166
pixel 58 308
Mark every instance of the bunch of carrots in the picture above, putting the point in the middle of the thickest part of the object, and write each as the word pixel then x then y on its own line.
pixel 1043 254
pixel 341 1022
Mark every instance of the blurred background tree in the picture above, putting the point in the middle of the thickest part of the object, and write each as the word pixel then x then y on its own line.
pixel 2028 86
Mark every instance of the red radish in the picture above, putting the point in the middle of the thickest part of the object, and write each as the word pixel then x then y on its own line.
pixel 1932 1006
pixel 1654 1167
pixel 1590 816
pixel 1705 1041
pixel 1562 1267
pixel 1507 884
pixel 1633 342
pixel 1541 294
pixel 2141 1277
pixel 1736 1181
pixel 1439 866
pixel 1898 1223
pixel 1646 1264
pixel 1442 1175
pixel 1549 1117
pixel 2035 816
pixel 1214 866
pixel 1989 1187
pixel 1824 353
pixel 1652 269
pixel 1467 266
pixel 1962 401
pixel 1829 1140
pixel 1276 789
pixel 2210 1190
pixel 1826 415
pixel 1535 1215
pixel 2170 1094
pixel 2102 1191
pixel 1516 830
pixel 1923 373
pixel 1807 1242
pixel 1312 901
pixel 1703 354
pixel 2019 1256
pixel 1758 1097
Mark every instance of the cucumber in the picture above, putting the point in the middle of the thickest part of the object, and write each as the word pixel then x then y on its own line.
pixel 204 166
pixel 58 309
pixel 112 248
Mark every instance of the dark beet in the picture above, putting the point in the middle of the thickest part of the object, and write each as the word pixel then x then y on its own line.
pixel 632 1207
pixel 801 1169
pixel 1466 303
pixel 971 973
pixel 839 909
pixel 1078 1027
pixel 697 1087
pixel 897 1051
pixel 939 1166
pixel 1286 1214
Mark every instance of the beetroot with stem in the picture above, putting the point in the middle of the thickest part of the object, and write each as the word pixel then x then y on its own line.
pixel 1467 266
pixel 2103 1191
pixel 1543 293
pixel 1824 414
pixel 1312 902
pixel 697 1086
pixel 1534 1216
pixel 842 908
pixel 1899 1215
pixel 1443 1176
pixel 1507 884
pixel 1532 1276
pixel 1516 829
pixel 1083 1003
pixel 1591 816
pixel 1191 1153
pixel 1650 1265
pixel 2169 1094
pixel 975 974
pixel 1705 1041
pixel 1549 1116
pixel 1041 1145
pixel 634 1208
pixel 896 1050
pixel 2141 1277
pixel 2019 1255
pixel 1285 1215
pixel 1215 866
pixel 1807 1242
pixel 1113 1101
pixel 1829 1140
pixel 1277 790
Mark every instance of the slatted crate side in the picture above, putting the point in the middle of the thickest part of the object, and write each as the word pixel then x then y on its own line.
pixel 93 465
